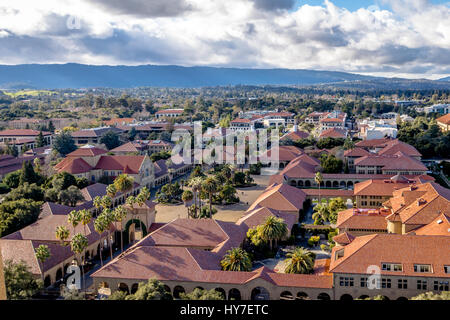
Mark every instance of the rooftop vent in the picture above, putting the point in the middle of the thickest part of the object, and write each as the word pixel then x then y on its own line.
pixel 439 221
pixel 421 202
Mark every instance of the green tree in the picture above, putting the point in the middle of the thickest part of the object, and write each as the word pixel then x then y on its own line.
pixel 331 164
pixel 111 140
pixel 12 179
pixel 17 214
pixel 71 196
pixel 300 260
pixel 26 191
pixel 318 180
pixel 19 281
pixel 64 143
pixel 119 214
pixel 210 187
pixel 40 140
pixel 123 183
pixel 273 230
pixel 27 173
pixel 199 294
pixel 78 245
pixel 42 254
pixel 187 196
pixel 445 295
pixel 151 290
pixel 236 259
pixel 101 226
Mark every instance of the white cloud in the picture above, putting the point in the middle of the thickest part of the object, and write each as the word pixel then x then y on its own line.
pixel 413 38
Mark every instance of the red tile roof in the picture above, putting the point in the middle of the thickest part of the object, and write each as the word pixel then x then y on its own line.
pixel 73 166
pixel 170 111
pixel 134 163
pixel 22 132
pixel 438 227
pixel 356 152
pixel 362 219
pixel 241 121
pixel 398 161
pixel 343 238
pixel 87 151
pixel 280 197
pixel 333 133
pixel 385 188
pixel 295 135
pixel 444 119
pixel 407 250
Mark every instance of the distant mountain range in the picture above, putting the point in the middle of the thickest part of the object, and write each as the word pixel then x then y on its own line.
pixel 445 79
pixel 60 76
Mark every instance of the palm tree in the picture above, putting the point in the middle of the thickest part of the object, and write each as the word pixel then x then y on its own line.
pixel 78 244
pixel 42 254
pixel 300 260
pixel 100 226
pixel 120 213
pixel 210 187
pixel 97 202
pixel 131 201
pixel 111 190
pixel 236 259
pixel 196 185
pixel 106 202
pixel 74 219
pixel 318 179
pixel 62 234
pixel 85 219
pixel 187 196
pixel 107 216
pixel 123 183
pixel 273 229
pixel 141 198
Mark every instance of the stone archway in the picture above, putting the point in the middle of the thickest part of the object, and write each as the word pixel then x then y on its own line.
pixel 222 292
pixel 59 274
pixel 124 287
pixel 302 296
pixel 234 294
pixel 130 230
pixel 134 288
pixel 177 291
pixel 328 184
pixel 323 296
pixel 260 293
pixel 286 295
pixel 335 184
pixel 346 297
pixel 300 183
pixel 47 281
pixel 343 184
pixel 307 183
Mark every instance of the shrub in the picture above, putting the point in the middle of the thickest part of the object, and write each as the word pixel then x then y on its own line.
pixel 313 240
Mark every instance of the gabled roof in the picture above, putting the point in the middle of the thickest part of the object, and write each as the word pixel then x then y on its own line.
pixel 280 197
pixel 133 163
pixel 356 152
pixel 285 153
pixel 407 250
pixel 259 216
pixel 170 111
pixel 73 166
pixel 362 219
pixel 398 161
pixel 295 135
pixel 334 133
pixel 444 119
pixel 343 238
pixel 394 146
pixel 384 188
pixel 419 205
pixel 438 227
pixel 23 132
pixel 87 151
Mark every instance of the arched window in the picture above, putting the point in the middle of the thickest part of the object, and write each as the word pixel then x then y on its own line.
pixel 286 295
pixel 346 297
pixel 302 296
pixel 234 294
pixel 323 296
pixel 134 288
pixel 177 291
pixel 222 292
pixel 260 293
pixel 124 287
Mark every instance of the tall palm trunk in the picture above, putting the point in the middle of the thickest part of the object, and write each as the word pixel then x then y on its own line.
pixel 110 244
pixel 210 205
pixel 101 252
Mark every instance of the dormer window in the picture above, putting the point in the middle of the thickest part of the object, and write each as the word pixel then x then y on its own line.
pixel 422 268
pixel 391 266
pixel 339 254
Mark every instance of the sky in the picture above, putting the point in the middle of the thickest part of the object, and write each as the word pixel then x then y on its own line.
pixel 402 38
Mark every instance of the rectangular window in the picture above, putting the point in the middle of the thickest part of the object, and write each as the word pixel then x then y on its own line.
pixel 423 268
pixel 346 281
pixel 385 283
pixel 441 285
pixel 447 269
pixel 402 284
pixel 363 282
pixel 421 284
pixel 391 267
